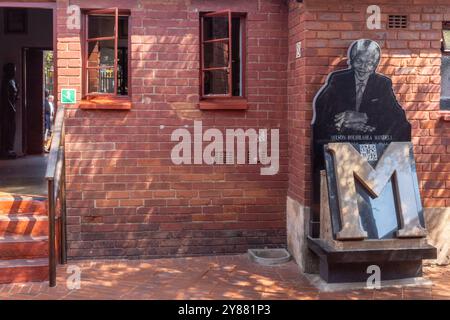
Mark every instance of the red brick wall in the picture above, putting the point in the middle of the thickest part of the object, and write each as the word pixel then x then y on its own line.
pixel 125 197
pixel 411 58
pixel 299 109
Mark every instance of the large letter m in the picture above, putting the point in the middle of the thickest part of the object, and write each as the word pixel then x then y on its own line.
pixel 395 163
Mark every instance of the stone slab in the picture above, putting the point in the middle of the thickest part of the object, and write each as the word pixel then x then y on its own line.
pixel 378 244
pixel 332 255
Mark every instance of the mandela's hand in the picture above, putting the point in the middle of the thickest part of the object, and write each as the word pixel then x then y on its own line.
pixel 352 120
pixel 363 128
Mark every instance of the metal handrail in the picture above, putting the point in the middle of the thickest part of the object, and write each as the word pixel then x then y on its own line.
pixel 55 176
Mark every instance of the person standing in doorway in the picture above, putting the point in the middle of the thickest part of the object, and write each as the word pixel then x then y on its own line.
pixel 51 100
pixel 48 118
pixel 9 97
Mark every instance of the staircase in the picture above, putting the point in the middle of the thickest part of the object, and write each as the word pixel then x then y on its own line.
pixel 23 238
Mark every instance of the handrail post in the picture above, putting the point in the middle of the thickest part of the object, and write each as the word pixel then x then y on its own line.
pixel 51 236
pixel 63 211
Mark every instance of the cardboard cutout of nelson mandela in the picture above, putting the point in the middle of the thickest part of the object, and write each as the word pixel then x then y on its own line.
pixel 359 101
pixel 356 105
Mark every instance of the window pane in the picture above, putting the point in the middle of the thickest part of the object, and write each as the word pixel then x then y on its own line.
pixel 123 28
pixel 101 53
pixel 445 82
pixel 237 59
pixel 216 82
pixel 446 39
pixel 101 26
pixel 122 72
pixel 216 54
pixel 122 56
pixel 215 28
pixel 100 80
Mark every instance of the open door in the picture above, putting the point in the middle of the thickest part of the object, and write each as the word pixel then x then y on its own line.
pixel 33 101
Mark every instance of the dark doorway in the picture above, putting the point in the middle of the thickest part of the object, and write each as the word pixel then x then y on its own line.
pixel 27 47
pixel 33 97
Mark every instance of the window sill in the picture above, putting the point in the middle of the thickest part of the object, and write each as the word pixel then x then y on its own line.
pixel 223 104
pixel 106 103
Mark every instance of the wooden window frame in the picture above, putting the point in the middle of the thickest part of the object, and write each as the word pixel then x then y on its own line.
pixel 97 100
pixel 224 101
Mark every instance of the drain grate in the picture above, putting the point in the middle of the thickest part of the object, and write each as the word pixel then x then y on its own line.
pixel 269 257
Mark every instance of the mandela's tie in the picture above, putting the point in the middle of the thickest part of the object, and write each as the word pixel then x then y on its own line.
pixel 359 94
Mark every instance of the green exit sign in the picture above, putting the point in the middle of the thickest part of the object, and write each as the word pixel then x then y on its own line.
pixel 69 96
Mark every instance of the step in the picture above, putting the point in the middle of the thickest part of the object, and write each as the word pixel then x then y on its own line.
pixel 23 247
pixel 23 224
pixel 23 270
pixel 17 204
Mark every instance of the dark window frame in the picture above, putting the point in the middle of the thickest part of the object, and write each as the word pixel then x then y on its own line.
pixel 225 101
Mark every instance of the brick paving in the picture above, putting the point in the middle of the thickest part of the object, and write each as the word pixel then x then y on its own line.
pixel 217 277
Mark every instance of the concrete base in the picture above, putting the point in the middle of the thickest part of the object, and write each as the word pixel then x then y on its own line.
pixel 323 286
pixel 297 219
pixel 340 266
pixel 438 224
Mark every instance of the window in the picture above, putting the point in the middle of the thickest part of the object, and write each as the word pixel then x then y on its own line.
pixel 445 67
pixel 222 65
pixel 105 59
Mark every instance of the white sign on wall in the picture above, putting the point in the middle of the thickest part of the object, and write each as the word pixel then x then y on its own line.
pixel 298 50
